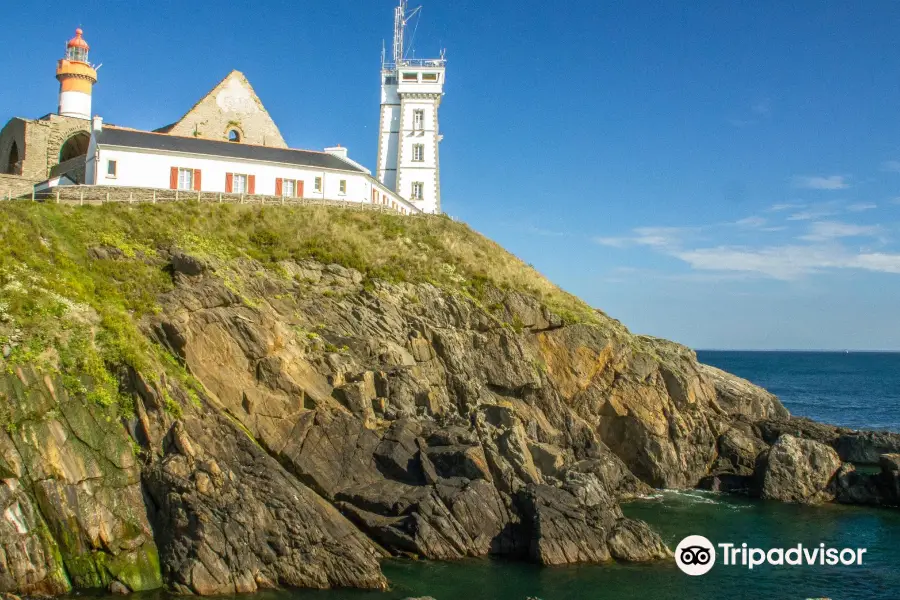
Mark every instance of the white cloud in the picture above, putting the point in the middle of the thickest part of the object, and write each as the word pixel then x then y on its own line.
pixel 751 222
pixel 830 182
pixel 812 214
pixel 544 232
pixel 655 237
pixel 892 166
pixel 823 231
pixel 861 207
pixel 787 262
pixel 785 206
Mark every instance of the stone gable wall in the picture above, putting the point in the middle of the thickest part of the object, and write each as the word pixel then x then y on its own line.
pixel 231 105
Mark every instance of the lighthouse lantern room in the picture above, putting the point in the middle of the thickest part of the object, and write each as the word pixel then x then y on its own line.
pixel 76 79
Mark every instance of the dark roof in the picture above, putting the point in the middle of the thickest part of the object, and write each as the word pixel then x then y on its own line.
pixel 130 138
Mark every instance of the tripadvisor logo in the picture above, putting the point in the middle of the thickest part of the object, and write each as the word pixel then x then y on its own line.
pixel 696 555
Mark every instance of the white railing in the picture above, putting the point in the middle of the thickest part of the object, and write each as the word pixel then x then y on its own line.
pixel 102 194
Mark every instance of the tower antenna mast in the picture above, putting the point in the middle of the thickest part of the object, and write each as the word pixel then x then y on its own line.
pixel 401 18
pixel 399 31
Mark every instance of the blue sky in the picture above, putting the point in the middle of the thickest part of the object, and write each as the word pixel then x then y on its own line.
pixel 725 174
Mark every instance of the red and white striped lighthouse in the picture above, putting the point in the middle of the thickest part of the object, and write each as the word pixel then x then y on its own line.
pixel 76 79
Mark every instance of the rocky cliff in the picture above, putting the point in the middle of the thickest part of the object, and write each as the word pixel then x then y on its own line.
pixel 224 399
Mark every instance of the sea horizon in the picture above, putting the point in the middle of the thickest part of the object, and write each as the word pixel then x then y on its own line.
pixel 798 350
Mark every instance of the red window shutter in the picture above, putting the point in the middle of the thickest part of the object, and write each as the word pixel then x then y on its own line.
pixel 251 184
pixel 173 178
pixel 196 180
pixel 278 185
pixel 229 182
pixel 298 189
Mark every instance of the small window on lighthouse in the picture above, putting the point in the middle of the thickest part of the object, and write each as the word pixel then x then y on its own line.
pixel 419 153
pixel 234 135
pixel 418 190
pixel 419 120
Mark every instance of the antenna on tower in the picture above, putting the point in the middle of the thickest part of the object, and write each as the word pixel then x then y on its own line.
pixel 399 31
pixel 401 18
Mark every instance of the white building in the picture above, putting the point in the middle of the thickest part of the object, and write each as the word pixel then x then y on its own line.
pixel 228 143
pixel 409 136
pixel 131 158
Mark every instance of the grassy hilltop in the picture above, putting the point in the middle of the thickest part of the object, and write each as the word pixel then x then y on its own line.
pixel 69 308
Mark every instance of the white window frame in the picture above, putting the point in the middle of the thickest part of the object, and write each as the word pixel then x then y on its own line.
pixel 418 119
pixel 115 168
pixel 285 183
pixel 418 190
pixel 342 189
pixel 317 184
pixel 418 153
pixel 185 179
pixel 242 188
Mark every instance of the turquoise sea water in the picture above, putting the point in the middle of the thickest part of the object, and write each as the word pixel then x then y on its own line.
pixel 859 390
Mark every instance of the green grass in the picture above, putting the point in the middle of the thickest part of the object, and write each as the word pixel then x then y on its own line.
pixel 78 315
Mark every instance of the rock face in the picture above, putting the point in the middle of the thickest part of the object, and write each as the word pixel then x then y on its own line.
pixel 73 508
pixel 739 397
pixel 313 421
pixel 860 447
pixel 799 470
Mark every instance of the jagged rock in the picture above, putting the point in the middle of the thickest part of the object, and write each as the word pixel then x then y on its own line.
pixel 561 529
pixel 29 561
pixel 634 541
pixel 799 470
pixel 187 264
pixel 853 487
pixel 859 447
pixel 257 528
pixel 459 461
pixel 549 459
pixel 739 397
pixel 889 478
pixel 738 451
pixel 72 493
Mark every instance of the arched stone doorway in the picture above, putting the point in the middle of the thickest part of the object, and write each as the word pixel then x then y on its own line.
pixel 75 146
pixel 12 164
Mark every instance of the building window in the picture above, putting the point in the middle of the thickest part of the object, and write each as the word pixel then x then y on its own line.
pixel 410 77
pixel 343 186
pixel 418 120
pixel 289 188
pixel 432 77
pixel 390 80
pixel 185 179
pixel 239 184
pixel 234 135
pixel 111 168
pixel 418 152
pixel 317 185
pixel 418 190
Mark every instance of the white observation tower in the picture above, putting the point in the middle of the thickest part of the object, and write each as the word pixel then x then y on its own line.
pixel 408 139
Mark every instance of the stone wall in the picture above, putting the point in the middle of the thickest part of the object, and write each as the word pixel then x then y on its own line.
pixel 38 143
pixel 231 106
pixel 100 194
pixel 15 186
pixel 74 169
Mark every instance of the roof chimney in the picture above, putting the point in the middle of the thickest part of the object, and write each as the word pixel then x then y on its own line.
pixel 338 151
pixel 97 123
